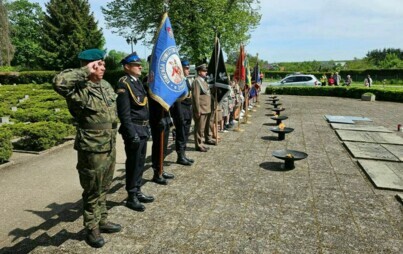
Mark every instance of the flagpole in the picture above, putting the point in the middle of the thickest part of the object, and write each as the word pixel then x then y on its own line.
pixel 258 75
pixel 215 91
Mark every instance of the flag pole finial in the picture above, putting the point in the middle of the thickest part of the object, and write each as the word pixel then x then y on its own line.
pixel 165 6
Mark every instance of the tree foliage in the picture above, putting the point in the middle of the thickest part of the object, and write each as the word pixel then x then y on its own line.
pixel 25 26
pixel 113 59
pixel 69 28
pixel 6 47
pixel 194 22
pixel 377 55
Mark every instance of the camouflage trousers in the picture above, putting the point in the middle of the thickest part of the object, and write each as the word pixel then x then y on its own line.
pixel 96 174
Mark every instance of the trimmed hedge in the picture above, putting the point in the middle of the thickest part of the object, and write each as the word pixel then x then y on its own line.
pixel 43 135
pixel 41 77
pixel 6 148
pixel 347 92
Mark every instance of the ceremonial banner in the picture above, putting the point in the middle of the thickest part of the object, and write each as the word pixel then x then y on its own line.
pixel 248 78
pixel 256 73
pixel 217 76
pixel 166 80
pixel 239 74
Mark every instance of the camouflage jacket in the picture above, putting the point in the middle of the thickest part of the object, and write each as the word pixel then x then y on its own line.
pixel 93 107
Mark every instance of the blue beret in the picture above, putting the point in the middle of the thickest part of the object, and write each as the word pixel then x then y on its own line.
pixel 132 58
pixel 185 63
pixel 91 55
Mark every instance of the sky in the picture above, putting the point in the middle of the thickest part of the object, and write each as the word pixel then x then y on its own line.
pixel 304 30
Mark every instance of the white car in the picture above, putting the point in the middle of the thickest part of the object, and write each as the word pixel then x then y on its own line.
pixel 298 80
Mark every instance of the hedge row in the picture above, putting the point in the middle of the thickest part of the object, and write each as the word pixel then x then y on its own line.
pixel 357 75
pixel 37 136
pixel 347 92
pixel 41 77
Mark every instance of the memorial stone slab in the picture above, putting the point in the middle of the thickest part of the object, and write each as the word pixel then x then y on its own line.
pixel 370 137
pixel 385 175
pixel 14 109
pixel 370 151
pixel 5 119
pixel 359 127
pixel 346 119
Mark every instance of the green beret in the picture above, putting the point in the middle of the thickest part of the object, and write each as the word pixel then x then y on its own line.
pixel 91 55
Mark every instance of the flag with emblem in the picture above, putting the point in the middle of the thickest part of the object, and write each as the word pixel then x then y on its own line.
pixel 166 79
pixel 217 76
pixel 256 72
pixel 248 77
pixel 239 74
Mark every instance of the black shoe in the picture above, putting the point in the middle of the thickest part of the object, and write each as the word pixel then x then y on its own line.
pixel 94 238
pixel 134 204
pixel 183 160
pixel 159 180
pixel 144 198
pixel 168 175
pixel 189 160
pixel 109 227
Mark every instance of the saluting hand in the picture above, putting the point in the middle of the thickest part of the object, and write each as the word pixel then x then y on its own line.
pixel 94 65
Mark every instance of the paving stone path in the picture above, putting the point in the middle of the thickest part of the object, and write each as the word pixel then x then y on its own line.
pixel 237 199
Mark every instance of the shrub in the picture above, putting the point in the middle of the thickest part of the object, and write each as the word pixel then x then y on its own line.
pixel 43 135
pixel 6 148
pixel 348 92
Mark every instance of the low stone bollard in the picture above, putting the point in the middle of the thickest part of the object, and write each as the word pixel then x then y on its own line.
pixel 368 97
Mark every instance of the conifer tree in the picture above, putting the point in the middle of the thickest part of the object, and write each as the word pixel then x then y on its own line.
pixel 69 28
pixel 6 48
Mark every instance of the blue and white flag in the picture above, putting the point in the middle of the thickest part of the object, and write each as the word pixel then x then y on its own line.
pixel 166 79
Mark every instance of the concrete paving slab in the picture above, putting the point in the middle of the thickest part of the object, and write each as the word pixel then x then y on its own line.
pixel 395 150
pixel 346 119
pixel 359 127
pixel 384 174
pixel 370 151
pixel 370 137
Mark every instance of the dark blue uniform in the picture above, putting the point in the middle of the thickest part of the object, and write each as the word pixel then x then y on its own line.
pixel 182 115
pixel 132 103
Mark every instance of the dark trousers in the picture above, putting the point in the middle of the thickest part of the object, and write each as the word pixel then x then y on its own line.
pixel 135 160
pixel 155 151
pixel 182 127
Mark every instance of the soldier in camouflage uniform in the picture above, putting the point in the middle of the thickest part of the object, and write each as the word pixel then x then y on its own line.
pixel 92 102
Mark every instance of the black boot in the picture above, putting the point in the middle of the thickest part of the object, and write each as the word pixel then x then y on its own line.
pixel 144 198
pixel 182 159
pixel 189 160
pixel 109 227
pixel 134 204
pixel 159 179
pixel 94 238
pixel 167 175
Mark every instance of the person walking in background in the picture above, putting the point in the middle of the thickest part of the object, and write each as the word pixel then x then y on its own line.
pixel 92 103
pixel 368 81
pixel 331 80
pixel 261 77
pixel 323 79
pixel 337 79
pixel 132 104
pixel 348 81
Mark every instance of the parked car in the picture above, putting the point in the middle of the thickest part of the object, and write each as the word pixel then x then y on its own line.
pixel 298 80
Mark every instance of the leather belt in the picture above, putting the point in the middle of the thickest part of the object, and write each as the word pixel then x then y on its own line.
pixel 140 122
pixel 98 126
